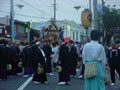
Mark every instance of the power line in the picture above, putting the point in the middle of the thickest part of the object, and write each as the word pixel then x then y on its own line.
pixel 4 11
pixel 35 8
pixel 49 2
pixel 24 15
pixel 74 1
pixel 32 16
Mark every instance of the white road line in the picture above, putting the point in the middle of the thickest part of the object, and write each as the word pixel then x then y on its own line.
pixel 25 84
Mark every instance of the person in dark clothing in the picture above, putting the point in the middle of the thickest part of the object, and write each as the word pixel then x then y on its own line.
pixel 48 51
pixel 74 57
pixel 34 54
pixel 10 55
pixel 4 60
pixel 65 62
pixel 40 61
pixel 118 47
pixel 113 60
pixel 27 57
pixel 13 60
pixel 83 66
pixel 18 57
pixel 15 57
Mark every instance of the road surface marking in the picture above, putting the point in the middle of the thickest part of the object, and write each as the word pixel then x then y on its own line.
pixel 25 84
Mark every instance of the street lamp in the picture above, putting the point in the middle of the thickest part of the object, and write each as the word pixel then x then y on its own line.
pixel 20 6
pixel 77 7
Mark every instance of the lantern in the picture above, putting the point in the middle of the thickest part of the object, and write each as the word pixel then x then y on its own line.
pixel 86 18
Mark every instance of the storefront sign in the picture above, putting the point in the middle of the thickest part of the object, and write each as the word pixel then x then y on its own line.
pixel 5 31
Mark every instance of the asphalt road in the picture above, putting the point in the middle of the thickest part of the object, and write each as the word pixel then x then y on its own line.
pixel 76 84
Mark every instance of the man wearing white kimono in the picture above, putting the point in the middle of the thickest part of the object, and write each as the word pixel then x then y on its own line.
pixel 90 52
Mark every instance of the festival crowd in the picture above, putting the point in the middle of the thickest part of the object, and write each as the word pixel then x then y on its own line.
pixel 38 58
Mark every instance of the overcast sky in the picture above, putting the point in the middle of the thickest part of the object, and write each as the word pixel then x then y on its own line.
pixel 44 9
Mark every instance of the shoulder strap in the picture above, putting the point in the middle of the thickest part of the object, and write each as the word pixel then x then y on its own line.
pixel 99 53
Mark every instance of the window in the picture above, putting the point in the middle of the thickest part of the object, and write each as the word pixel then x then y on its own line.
pixel 76 35
pixel 0 30
pixel 73 35
pixel 15 27
pixel 20 29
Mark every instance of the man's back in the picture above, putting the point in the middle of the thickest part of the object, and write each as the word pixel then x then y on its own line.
pixel 91 50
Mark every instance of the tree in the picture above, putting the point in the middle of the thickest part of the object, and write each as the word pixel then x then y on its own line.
pixel 111 19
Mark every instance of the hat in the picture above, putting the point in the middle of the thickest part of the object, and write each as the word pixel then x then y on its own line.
pixel 20 64
pixel 37 43
pixel 40 70
pixel 58 68
pixel 9 67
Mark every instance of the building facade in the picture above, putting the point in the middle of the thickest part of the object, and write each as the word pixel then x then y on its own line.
pixel 70 29
pixel 19 28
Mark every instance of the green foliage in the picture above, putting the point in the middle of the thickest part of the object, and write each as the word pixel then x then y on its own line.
pixel 111 18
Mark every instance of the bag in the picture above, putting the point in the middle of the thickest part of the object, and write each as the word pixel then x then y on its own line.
pixel 91 69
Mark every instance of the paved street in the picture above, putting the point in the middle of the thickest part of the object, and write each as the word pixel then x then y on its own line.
pixel 76 84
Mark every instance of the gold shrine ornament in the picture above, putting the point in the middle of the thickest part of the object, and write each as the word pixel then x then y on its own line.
pixel 86 18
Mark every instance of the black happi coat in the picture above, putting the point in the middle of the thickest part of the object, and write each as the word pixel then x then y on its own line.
pixel 34 54
pixel 34 51
pixel 39 59
pixel 73 55
pixel 4 56
pixel 48 51
pixel 14 57
pixel 114 57
pixel 64 57
pixel 16 51
pixel 27 56
pixel 10 54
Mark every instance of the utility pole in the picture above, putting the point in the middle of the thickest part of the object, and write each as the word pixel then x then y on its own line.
pixel 90 10
pixel 12 21
pixel 103 31
pixel 95 14
pixel 54 11
pixel 90 4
